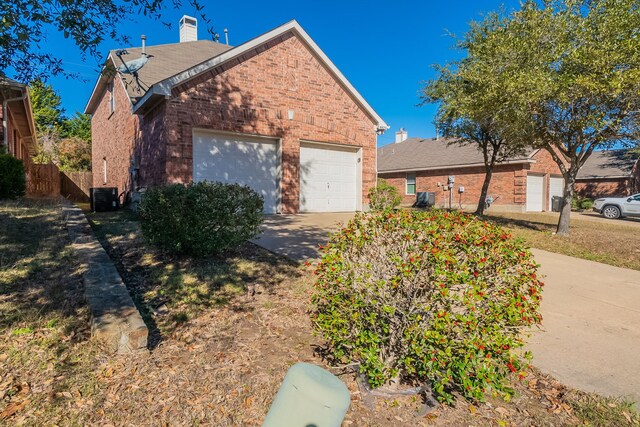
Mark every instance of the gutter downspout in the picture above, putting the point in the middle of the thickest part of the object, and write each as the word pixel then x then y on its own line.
pixel 5 127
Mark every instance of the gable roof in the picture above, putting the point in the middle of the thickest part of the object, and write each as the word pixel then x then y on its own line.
pixel 416 154
pixel 168 60
pixel 608 164
pixel 160 86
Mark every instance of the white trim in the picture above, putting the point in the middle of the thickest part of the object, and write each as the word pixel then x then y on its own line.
pixel 469 165
pixel 164 86
pixel 605 177
pixel 347 147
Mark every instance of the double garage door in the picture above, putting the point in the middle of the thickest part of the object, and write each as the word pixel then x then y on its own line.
pixel 535 192
pixel 328 174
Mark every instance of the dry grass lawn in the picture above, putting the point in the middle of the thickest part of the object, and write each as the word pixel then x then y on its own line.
pixel 225 331
pixel 596 239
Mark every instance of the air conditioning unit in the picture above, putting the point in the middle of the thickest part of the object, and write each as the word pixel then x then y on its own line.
pixel 425 199
pixel 104 199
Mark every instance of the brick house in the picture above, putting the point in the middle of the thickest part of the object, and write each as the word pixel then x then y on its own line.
pixel 18 135
pixel 613 173
pixel 273 113
pixel 521 184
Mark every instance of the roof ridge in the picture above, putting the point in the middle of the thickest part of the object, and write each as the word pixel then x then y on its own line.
pixel 172 44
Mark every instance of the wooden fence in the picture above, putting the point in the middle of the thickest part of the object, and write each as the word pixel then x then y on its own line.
pixel 46 180
pixel 75 185
pixel 43 180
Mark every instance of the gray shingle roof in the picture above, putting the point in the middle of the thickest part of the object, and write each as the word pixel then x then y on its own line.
pixel 430 153
pixel 608 164
pixel 168 60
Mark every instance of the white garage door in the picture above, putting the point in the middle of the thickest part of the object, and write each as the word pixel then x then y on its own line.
pixel 328 178
pixel 534 193
pixel 238 159
pixel 556 188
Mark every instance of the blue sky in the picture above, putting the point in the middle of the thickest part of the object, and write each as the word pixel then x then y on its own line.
pixel 385 49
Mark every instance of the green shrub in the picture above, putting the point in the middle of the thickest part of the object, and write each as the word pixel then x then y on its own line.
pixel 13 181
pixel 384 196
pixel 200 218
pixel 438 297
pixel 586 204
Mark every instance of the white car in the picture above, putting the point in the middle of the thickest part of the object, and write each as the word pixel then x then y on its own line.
pixel 618 207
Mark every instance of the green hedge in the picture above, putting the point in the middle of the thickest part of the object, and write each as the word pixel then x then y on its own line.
pixel 427 297
pixel 384 196
pixel 202 218
pixel 13 181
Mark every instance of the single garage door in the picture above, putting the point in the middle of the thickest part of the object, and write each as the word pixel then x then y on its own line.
pixel 242 159
pixel 535 186
pixel 328 178
pixel 556 188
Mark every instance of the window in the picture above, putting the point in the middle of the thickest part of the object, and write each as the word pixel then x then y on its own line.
pixel 411 184
pixel 112 97
pixel 104 170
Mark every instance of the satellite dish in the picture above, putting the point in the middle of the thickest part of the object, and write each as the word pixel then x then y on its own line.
pixel 132 67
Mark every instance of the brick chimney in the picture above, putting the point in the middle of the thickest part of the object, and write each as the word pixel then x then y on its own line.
pixel 188 29
pixel 401 135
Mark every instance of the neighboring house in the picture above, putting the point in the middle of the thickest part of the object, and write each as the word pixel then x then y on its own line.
pixel 525 183
pixel 273 113
pixel 609 173
pixel 18 133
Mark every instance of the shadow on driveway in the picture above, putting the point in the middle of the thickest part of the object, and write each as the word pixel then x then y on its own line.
pixel 299 236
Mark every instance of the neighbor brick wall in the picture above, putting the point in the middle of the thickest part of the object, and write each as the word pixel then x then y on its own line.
pixel 113 136
pixel 594 188
pixel 502 187
pixel 508 183
pixel 254 96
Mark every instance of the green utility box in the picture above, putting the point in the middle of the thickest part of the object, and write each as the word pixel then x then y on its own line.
pixel 309 397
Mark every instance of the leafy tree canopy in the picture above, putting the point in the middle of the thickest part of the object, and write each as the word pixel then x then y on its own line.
pixel 24 25
pixel 46 105
pixel 579 90
pixel 473 106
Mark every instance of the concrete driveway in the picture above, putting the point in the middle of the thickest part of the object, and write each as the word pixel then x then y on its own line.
pixel 590 336
pixel 591 328
pixel 298 236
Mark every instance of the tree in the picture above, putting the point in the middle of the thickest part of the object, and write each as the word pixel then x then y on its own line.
pixel 473 106
pixel 579 88
pixel 79 125
pixel 73 151
pixel 24 25
pixel 48 116
pixel 73 154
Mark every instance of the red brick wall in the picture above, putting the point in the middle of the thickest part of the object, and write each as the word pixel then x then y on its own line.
pixel 113 136
pixel 594 188
pixel 502 187
pixel 150 151
pixel 508 183
pixel 254 96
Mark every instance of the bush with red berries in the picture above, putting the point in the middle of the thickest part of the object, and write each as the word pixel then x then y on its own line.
pixel 431 297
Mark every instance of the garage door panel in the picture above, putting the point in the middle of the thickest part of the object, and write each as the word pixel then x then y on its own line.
pixel 238 159
pixel 556 188
pixel 328 179
pixel 535 187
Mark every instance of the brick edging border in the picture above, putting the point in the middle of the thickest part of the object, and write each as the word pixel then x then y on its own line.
pixel 115 320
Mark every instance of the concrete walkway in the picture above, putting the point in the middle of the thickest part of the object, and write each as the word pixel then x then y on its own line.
pixel 591 328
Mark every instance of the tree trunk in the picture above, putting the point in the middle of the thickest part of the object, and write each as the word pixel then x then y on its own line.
pixel 485 189
pixel 568 194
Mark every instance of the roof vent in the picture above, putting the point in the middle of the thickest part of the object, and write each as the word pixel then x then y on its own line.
pixel 188 29
pixel 401 135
